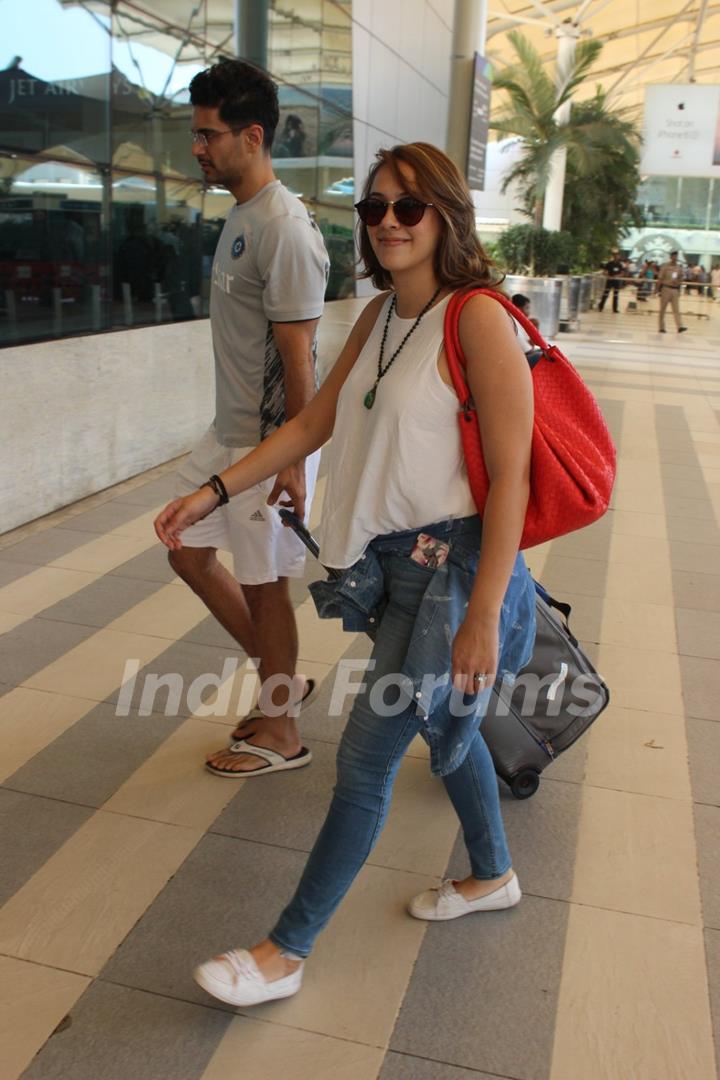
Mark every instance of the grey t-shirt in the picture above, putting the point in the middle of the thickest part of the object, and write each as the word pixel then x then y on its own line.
pixel 270 266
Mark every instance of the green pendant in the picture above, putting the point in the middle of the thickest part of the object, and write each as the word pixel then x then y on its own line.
pixel 369 399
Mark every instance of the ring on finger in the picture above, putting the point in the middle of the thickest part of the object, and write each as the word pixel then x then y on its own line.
pixel 479 677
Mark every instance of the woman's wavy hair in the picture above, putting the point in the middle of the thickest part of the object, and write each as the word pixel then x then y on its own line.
pixel 460 260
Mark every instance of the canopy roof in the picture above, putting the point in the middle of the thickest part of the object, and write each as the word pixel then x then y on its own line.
pixel 303 45
pixel 646 41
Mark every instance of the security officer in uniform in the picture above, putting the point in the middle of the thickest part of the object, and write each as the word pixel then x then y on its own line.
pixel 614 270
pixel 668 286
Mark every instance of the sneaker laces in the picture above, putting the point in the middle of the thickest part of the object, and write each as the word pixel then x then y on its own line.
pixel 242 965
pixel 447 890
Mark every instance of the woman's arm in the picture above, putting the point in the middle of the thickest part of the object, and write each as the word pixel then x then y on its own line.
pixel 501 386
pixel 306 432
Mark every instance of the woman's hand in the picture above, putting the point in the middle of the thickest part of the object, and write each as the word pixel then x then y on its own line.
pixel 475 652
pixel 292 482
pixel 180 513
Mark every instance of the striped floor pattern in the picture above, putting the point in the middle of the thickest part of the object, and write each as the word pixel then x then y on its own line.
pixel 124 863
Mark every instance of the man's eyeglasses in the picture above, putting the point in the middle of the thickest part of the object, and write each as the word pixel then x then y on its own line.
pixel 408 211
pixel 206 137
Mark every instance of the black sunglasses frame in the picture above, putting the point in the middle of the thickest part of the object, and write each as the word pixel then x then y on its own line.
pixel 366 206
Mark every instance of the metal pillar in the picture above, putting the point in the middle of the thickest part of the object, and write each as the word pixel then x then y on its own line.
pixel 708 209
pixel 158 301
pixel 250 20
pixel 95 307
pixel 57 310
pixel 159 155
pixel 567 35
pixel 127 303
pixel 469 30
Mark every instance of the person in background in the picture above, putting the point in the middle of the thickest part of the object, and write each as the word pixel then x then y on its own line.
pixel 695 279
pixel 292 139
pixel 522 302
pixel 268 282
pixel 669 281
pixel 613 271
pixel 714 290
pixel 646 275
pixel 441 592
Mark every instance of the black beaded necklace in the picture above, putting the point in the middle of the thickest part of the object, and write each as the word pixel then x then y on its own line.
pixel 369 399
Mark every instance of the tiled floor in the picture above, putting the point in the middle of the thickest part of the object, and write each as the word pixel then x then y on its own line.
pixel 124 862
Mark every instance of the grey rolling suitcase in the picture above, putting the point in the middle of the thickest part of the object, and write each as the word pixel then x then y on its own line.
pixel 551 703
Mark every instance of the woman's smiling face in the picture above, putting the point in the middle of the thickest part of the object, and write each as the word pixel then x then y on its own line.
pixel 397 247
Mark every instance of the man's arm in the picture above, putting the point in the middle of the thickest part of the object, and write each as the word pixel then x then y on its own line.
pixel 295 345
pixel 294 341
pixel 292 262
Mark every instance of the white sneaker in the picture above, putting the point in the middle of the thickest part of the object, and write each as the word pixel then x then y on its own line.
pixel 447 903
pixel 236 979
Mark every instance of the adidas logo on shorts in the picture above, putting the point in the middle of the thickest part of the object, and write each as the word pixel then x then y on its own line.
pixel 257 516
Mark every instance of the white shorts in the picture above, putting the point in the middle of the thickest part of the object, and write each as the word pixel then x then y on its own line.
pixel 263 549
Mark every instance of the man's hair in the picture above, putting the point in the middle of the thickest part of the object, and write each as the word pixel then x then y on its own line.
pixel 460 259
pixel 673 253
pixel 242 94
pixel 520 300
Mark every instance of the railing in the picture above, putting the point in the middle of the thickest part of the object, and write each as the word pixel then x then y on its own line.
pixel 698 299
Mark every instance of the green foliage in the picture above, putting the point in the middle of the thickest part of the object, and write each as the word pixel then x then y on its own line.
pixel 538 252
pixel 492 250
pixel 602 147
pixel 599 204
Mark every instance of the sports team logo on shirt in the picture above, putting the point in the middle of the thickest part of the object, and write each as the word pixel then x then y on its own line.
pixel 238 246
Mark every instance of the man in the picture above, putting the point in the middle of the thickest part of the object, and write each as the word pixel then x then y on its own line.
pixel 714 290
pixel 668 286
pixel 695 278
pixel 268 283
pixel 613 271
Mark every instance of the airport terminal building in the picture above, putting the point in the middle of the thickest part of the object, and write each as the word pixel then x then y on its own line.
pixel 124 861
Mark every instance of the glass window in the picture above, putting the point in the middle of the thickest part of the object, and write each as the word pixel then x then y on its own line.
pixel 104 218
pixel 681 202
pixel 53 250
pixel 54 185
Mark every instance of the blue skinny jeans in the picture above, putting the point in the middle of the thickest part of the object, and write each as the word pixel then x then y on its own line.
pixel 368 759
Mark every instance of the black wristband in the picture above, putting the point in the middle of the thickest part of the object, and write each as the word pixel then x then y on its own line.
pixel 220 490
pixel 217 493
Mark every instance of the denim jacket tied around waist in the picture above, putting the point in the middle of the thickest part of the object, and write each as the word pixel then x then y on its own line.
pixel 358 597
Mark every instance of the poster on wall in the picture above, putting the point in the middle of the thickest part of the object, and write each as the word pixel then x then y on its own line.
pixel 681 130
pixel 479 120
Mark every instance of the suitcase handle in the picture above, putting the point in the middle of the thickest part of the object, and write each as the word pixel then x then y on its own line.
pixel 564 609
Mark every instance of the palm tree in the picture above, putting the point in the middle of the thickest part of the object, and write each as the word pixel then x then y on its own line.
pixel 530 116
pixel 601 195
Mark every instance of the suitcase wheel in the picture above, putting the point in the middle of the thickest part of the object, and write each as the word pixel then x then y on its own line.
pixel 525 783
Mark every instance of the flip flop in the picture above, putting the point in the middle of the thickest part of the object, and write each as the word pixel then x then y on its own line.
pixel 275 761
pixel 256 712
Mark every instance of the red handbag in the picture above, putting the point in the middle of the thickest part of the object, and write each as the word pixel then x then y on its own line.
pixel 572 465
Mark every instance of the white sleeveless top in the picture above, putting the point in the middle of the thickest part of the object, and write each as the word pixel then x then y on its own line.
pixel 400 464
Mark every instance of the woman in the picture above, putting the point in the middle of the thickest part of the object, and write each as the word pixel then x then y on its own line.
pixel 400 521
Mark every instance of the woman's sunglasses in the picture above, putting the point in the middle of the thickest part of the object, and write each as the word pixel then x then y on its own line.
pixel 408 211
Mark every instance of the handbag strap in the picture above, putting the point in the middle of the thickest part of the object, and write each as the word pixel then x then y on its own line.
pixel 453 349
